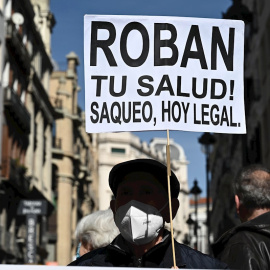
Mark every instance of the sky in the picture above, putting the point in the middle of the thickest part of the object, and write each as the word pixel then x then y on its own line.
pixel 68 33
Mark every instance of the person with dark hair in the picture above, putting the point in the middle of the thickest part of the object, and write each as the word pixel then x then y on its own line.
pixel 247 246
pixel 141 208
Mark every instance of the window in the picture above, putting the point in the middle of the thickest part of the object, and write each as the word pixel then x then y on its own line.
pixel 118 150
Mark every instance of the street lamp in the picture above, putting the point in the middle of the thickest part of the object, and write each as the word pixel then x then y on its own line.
pixel 207 140
pixel 196 191
pixel 189 222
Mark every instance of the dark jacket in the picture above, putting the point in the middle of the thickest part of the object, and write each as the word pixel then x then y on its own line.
pixel 160 256
pixel 246 246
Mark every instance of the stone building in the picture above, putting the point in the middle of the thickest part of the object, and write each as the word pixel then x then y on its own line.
pixel 232 152
pixel 26 122
pixel 73 164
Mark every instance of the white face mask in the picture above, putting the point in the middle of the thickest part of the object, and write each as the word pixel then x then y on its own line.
pixel 139 223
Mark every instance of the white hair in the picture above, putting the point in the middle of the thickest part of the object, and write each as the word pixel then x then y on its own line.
pixel 98 229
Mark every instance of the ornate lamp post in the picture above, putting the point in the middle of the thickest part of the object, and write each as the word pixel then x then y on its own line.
pixel 207 140
pixel 189 222
pixel 195 190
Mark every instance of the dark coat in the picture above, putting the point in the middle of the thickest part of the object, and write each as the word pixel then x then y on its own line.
pixel 160 256
pixel 246 246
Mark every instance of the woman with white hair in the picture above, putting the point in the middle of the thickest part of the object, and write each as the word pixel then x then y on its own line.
pixel 94 231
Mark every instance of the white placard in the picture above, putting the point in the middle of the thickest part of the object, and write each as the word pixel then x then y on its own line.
pixel 158 73
pixel 43 267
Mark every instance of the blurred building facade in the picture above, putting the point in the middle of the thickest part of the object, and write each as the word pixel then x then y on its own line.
pixel 200 243
pixel 73 164
pixel 26 121
pixel 113 148
pixel 45 151
pixel 232 152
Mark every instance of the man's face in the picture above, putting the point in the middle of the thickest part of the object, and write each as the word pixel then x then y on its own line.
pixel 142 187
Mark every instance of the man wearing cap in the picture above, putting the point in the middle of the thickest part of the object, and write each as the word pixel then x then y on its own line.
pixel 141 208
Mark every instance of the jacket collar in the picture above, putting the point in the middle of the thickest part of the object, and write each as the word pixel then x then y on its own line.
pixel 120 244
pixel 259 224
pixel 153 257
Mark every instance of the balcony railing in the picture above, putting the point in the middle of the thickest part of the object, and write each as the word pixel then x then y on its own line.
pixel 14 39
pixel 17 177
pixel 15 106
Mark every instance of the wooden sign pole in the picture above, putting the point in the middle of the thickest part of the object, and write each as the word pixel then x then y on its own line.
pixel 169 193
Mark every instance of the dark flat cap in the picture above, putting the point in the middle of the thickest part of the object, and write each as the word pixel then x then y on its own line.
pixel 157 169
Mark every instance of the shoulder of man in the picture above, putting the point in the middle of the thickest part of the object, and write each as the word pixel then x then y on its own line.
pixel 86 258
pixel 248 234
pixel 232 236
pixel 245 249
pixel 195 259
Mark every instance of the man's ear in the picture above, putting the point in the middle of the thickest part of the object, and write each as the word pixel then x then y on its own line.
pixel 243 212
pixel 237 203
pixel 175 206
pixel 112 205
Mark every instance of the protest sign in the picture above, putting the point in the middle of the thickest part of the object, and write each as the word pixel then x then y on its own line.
pixel 157 73
pixel 33 267
pixel 42 267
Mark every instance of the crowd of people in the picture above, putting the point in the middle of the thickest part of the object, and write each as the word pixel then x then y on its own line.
pixel 132 233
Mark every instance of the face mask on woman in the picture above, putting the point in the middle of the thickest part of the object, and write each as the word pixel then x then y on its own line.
pixel 139 223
